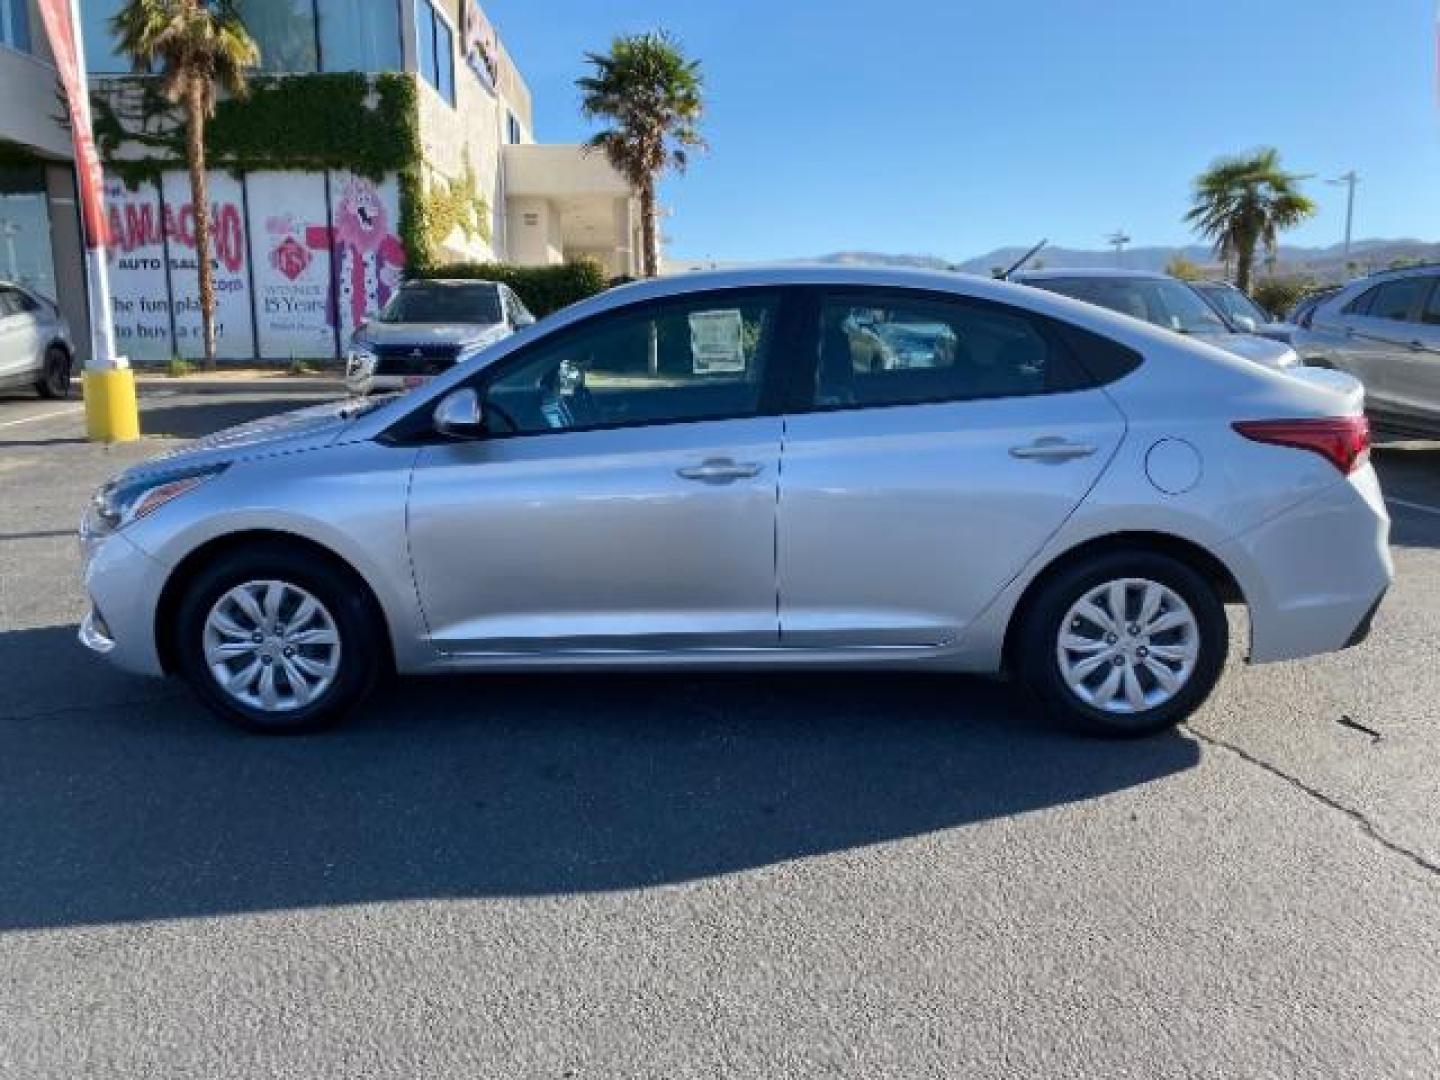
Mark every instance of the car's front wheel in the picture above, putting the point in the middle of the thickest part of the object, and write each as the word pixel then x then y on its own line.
pixel 1127 644
pixel 277 641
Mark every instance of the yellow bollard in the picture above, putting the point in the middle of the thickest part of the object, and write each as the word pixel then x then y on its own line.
pixel 111 413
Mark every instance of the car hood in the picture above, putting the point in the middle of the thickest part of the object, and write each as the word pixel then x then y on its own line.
pixel 427 334
pixel 285 433
pixel 1250 347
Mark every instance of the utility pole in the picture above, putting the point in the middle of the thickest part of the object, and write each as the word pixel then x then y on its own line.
pixel 1349 180
pixel 1118 240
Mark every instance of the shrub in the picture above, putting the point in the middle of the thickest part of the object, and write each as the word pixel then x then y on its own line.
pixel 1278 295
pixel 543 289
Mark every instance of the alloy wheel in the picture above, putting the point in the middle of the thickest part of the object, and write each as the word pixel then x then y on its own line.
pixel 1128 646
pixel 271 645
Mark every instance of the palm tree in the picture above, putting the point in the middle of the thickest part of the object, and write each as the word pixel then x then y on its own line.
pixel 651 94
pixel 196 47
pixel 1242 203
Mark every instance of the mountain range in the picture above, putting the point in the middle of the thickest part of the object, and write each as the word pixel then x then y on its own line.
pixel 1321 263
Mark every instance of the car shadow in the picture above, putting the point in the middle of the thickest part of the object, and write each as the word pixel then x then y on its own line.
pixel 123 800
pixel 1410 478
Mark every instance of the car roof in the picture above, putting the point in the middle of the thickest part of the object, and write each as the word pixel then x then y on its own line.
pixel 448 281
pixel 1102 272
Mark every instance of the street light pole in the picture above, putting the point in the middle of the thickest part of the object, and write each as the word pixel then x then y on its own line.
pixel 1118 240
pixel 1349 179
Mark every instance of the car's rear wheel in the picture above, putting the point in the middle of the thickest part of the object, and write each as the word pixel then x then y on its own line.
pixel 277 641
pixel 54 381
pixel 1127 644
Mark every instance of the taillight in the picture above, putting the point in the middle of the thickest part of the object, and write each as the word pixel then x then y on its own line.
pixel 1344 441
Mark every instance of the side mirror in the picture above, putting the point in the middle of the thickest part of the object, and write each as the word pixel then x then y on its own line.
pixel 459 416
pixel 1246 323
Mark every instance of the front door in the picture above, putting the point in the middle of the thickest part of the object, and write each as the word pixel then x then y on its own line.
pixel 19 341
pixel 946 442
pixel 624 496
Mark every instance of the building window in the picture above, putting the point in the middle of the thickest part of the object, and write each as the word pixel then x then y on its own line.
pixel 285 32
pixel 436 44
pixel 15 24
pixel 25 255
pixel 101 55
pixel 512 129
pixel 364 40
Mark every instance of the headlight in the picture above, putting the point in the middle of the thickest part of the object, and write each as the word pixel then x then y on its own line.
pixel 121 501
pixel 359 361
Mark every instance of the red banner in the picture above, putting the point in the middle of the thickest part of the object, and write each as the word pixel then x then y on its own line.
pixel 56 14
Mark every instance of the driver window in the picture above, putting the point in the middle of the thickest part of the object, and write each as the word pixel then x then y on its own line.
pixel 697 359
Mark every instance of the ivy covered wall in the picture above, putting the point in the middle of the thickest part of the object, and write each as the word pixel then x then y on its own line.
pixel 368 125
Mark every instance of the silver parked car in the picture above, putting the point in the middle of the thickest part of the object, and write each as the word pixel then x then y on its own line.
pixel 1384 330
pixel 425 327
pixel 711 472
pixel 1164 301
pixel 35 346
pixel 1242 313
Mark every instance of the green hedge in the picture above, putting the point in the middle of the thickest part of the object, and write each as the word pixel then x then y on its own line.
pixel 542 288
pixel 1278 295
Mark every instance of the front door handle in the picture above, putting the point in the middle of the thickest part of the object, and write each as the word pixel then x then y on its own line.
pixel 1417 346
pixel 720 471
pixel 1052 448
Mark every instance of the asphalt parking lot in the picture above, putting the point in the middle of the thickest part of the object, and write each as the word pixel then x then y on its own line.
pixel 855 876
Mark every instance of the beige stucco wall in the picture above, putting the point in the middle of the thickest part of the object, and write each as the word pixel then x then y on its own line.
pixel 534 232
pixel 474 130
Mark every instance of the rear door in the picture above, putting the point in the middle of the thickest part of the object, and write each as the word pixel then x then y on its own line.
pixel 1415 378
pixel 1382 334
pixel 933 445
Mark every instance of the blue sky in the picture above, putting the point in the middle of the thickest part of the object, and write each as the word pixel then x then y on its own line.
pixel 952 127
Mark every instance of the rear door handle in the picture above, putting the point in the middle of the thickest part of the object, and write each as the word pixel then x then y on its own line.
pixel 720 471
pixel 1052 448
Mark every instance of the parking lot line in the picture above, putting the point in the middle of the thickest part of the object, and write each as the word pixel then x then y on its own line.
pixel 43 416
pixel 1408 505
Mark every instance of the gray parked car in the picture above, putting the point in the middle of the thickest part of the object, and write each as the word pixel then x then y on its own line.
pixel 1243 314
pixel 1164 301
pixel 711 471
pixel 35 346
pixel 1385 330
pixel 425 327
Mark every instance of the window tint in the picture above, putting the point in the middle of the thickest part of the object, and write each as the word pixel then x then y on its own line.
pixel 1396 299
pixel 1361 304
pixel 359 37
pixel 8 304
pixel 703 358
pixel 443 302
pixel 1431 314
pixel 881 351
pixel 285 32
pixel 436 43
pixel 15 24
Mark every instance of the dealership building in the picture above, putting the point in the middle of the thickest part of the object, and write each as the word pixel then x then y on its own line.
pixel 378 135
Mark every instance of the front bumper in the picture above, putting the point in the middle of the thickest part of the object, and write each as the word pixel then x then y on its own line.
pixel 123 584
pixel 1314 576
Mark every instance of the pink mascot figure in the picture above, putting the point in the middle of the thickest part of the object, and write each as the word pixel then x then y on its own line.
pixel 369 258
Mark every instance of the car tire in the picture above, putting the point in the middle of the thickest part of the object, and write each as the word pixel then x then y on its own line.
pixel 311 684
pixel 1070 650
pixel 54 381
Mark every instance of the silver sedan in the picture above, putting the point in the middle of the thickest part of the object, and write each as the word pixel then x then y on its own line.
pixel 713 472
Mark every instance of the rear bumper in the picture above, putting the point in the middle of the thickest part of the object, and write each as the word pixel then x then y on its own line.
pixel 1314 577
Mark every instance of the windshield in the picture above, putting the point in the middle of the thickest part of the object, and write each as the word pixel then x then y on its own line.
pixel 1233 303
pixel 1161 301
pixel 433 302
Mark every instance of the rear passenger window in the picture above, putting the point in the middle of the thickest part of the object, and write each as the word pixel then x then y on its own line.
pixel 1361 304
pixel 880 351
pixel 1431 314
pixel 1397 299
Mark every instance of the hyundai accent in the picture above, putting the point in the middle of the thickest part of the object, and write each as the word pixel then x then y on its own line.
pixel 725 470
